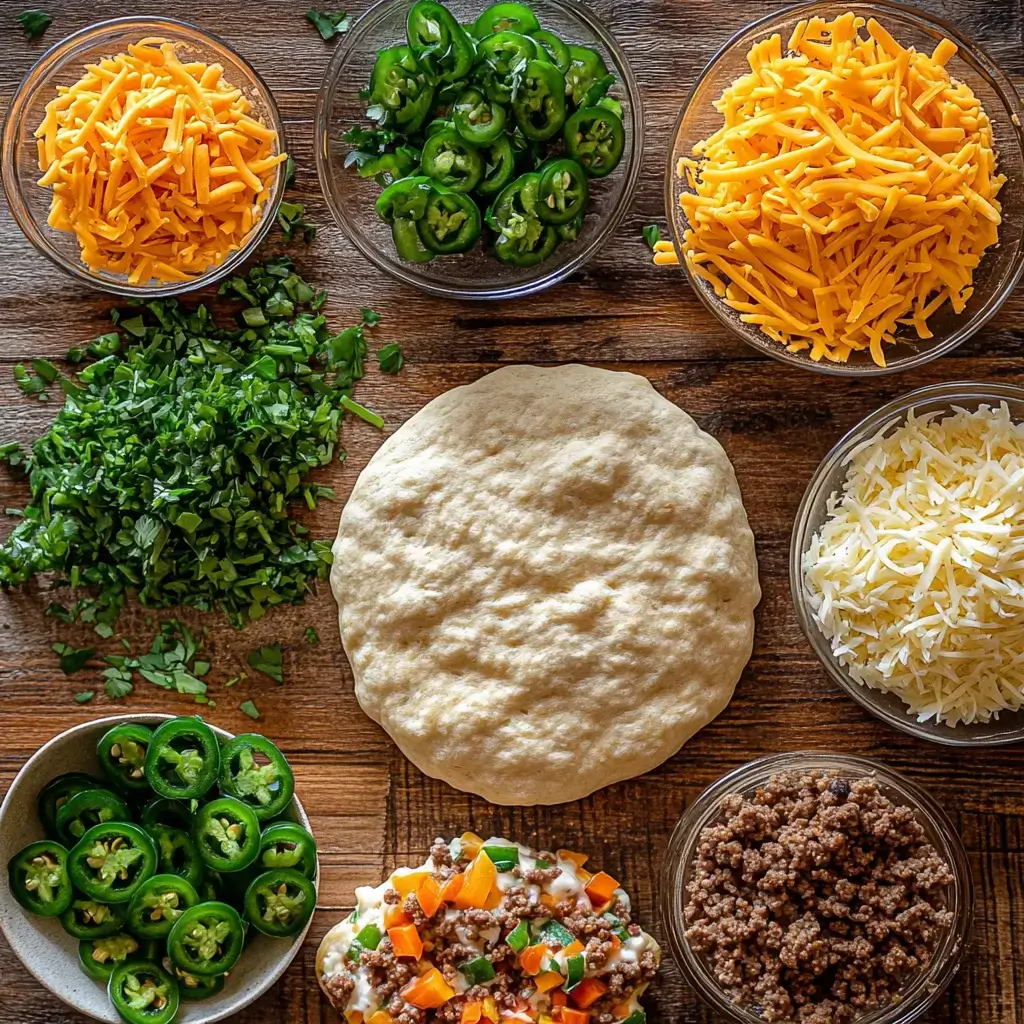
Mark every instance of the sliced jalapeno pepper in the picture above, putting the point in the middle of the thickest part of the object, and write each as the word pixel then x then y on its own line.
pixel 160 901
pixel 390 167
pixel 504 16
pixel 504 57
pixel 287 845
pixel 405 199
pixel 56 793
pixel 280 902
pixel 437 125
pixel 183 759
pixel 206 940
pixel 451 223
pixel 438 42
pixel 227 834
pixel 399 86
pixel 612 104
pixel 453 162
pixel 177 854
pixel 143 993
pixel 529 153
pixel 39 880
pixel 539 103
pixel 516 253
pixel 408 243
pixel 557 52
pixel 88 808
pixel 122 755
pixel 499 166
pixel 254 771
pixel 563 192
pixel 190 987
pixel 571 231
pixel 162 811
pixel 516 204
pixel 477 119
pixel 594 138
pixel 111 861
pixel 99 957
pixel 586 67
pixel 89 919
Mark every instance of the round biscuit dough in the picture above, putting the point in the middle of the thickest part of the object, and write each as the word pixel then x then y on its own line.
pixel 546 583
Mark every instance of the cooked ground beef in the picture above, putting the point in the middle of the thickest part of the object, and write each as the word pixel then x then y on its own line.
pixel 816 899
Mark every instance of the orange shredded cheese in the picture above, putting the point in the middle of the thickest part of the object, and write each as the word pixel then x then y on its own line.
pixel 157 166
pixel 851 191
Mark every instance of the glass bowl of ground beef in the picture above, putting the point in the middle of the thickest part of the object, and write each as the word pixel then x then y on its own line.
pixel 819 888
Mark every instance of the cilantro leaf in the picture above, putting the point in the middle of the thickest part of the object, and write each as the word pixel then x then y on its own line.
pixel 117 682
pixel 390 358
pixel 72 659
pixel 291 220
pixel 367 143
pixel 250 709
pixel 312 636
pixel 34 23
pixel 652 234
pixel 371 317
pixel 84 697
pixel 268 660
pixel 329 23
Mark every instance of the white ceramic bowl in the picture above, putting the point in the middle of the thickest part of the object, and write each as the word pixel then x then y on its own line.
pixel 50 954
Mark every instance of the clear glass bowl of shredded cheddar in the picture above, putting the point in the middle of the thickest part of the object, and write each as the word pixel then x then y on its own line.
pixel 846 187
pixel 144 157
pixel 907 563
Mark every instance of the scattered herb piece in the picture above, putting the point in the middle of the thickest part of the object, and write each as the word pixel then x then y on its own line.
pixel 72 658
pixel 289 171
pixel 234 680
pixel 312 636
pixel 368 144
pixel 268 661
pixel 34 23
pixel 104 629
pixel 250 709
pixel 291 220
pixel 329 23
pixel 652 234
pixel 362 412
pixel 28 383
pixel 390 358
pixel 84 697
pixel 370 317
pixel 117 682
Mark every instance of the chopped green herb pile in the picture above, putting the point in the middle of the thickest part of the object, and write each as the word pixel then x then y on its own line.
pixel 34 23
pixel 652 234
pixel 329 23
pixel 171 467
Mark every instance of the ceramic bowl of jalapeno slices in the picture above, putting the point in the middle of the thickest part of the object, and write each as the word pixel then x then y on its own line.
pixel 159 869
pixel 479 152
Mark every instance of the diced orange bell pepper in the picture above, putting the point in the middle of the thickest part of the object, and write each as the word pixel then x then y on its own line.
pixel 548 980
pixel 406 884
pixel 406 941
pixel 620 1011
pixel 558 998
pixel 428 991
pixel 471 844
pixel 573 948
pixel 587 992
pixel 429 895
pixel 493 900
pixel 579 859
pixel 380 1017
pixel 472 1011
pixel 395 916
pixel 601 888
pixel 531 960
pixel 616 942
pixel 549 901
pixel 354 1016
pixel 571 1016
pixel 453 887
pixel 481 877
pixel 491 1010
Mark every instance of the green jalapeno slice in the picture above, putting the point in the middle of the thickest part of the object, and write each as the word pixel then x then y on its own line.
pixel 163 811
pixel 516 206
pixel 595 138
pixel 438 125
pixel 183 759
pixel 254 771
pixel 98 957
pixel 190 987
pixel 177 854
pixel 563 192
pixel 452 161
pixel 57 792
pixel 451 223
pixel 122 755
pixel 517 254
pixel 405 199
pixel 400 87
pixel 504 57
pixel 586 67
pixel 438 42
pixel 143 993
pixel 504 16
pixel 553 47
pixel 408 243
pixel 539 103
pixel 571 231
pixel 287 845
pixel 227 834
pixel 111 861
pixel 39 880
pixel 390 167
pixel 206 940
pixel 499 166
pixel 160 901
pixel 280 902
pixel 478 119
pixel 529 153
pixel 88 808
pixel 90 919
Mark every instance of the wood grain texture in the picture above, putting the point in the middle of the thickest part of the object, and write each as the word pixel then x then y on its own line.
pixel 370 809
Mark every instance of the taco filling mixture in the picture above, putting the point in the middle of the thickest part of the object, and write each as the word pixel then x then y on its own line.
pixel 490 931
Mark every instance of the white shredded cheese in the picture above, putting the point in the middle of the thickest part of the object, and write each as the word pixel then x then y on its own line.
pixel 917 575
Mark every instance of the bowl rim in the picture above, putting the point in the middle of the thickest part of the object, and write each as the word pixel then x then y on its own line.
pixel 949 391
pixel 979 61
pixel 634 157
pixel 62 51
pixel 679 856
pixel 244 997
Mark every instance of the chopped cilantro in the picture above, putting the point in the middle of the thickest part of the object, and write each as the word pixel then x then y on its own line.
pixel 117 682
pixel 250 709
pixel 72 659
pixel 652 234
pixel 34 23
pixel 268 661
pixel 329 23
pixel 390 358
pixel 291 220
pixel 370 317
pixel 367 143
pixel 362 412
pixel 312 636
pixel 84 697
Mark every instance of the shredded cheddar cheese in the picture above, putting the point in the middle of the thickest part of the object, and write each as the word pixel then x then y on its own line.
pixel 916 576
pixel 157 166
pixel 851 191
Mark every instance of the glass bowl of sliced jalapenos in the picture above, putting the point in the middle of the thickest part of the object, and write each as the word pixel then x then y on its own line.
pixel 158 869
pixel 475 151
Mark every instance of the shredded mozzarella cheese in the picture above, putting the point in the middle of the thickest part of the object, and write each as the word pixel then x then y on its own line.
pixel 917 575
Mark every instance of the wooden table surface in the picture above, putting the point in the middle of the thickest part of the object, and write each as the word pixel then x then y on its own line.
pixel 370 809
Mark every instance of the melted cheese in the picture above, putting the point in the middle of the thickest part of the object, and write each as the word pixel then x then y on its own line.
pixel 156 166
pixel 917 575
pixel 850 192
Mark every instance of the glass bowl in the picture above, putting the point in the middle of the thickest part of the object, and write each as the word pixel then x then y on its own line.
pixel 1001 265
pixel 924 990
pixel 828 479
pixel 476 274
pixel 63 65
